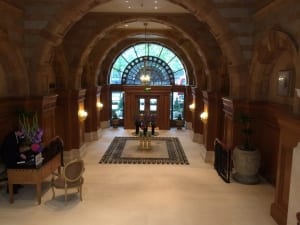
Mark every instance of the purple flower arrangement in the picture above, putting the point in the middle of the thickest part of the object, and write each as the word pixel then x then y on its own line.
pixel 32 132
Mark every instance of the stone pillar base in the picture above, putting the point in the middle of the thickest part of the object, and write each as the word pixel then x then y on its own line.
pixel 74 153
pixel 92 136
pixel 208 156
pixel 198 138
pixel 105 124
pixel 188 125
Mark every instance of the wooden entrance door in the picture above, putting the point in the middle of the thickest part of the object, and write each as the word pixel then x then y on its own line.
pixel 147 105
pixel 155 102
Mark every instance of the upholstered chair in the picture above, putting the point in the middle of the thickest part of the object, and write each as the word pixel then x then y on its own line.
pixel 70 177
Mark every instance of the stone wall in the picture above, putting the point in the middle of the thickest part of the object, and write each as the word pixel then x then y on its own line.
pixel 276 37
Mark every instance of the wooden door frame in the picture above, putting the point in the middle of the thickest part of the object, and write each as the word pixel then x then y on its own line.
pixel 163 93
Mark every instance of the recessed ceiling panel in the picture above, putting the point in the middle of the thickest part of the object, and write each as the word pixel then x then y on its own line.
pixel 139 6
pixel 141 25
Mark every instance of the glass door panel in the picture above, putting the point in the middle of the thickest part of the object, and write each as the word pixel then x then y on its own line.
pixel 148 105
pixel 153 105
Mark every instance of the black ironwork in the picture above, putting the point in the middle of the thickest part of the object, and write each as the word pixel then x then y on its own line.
pixel 161 73
pixel 222 162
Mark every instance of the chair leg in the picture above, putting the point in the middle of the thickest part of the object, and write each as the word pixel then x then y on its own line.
pixel 53 193
pixel 80 192
pixel 66 193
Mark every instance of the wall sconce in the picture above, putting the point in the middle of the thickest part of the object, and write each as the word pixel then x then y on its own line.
pixel 99 105
pixel 204 117
pixel 82 114
pixel 192 106
pixel 297 90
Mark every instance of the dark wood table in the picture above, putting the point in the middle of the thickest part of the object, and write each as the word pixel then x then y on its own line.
pixel 33 175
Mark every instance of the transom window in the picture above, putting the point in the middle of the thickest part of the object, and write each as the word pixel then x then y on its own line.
pixel 164 66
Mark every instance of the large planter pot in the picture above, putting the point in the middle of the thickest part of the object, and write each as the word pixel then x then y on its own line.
pixel 115 122
pixel 179 124
pixel 246 165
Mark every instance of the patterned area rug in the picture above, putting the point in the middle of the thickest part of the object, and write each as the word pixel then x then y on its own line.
pixel 127 150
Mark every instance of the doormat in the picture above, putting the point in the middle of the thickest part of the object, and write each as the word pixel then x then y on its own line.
pixel 128 150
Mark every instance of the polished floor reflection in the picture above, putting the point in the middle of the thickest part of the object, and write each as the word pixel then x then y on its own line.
pixel 118 194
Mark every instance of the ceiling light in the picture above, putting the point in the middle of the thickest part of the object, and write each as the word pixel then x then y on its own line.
pixel 145 76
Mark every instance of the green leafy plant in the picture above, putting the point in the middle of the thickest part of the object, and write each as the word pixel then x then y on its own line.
pixel 245 121
pixel 179 117
pixel 115 116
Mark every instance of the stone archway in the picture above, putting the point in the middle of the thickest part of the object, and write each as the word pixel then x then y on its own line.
pixel 56 29
pixel 274 44
pixel 13 66
pixel 209 56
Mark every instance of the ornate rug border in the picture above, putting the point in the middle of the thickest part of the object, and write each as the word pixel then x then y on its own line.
pixel 113 153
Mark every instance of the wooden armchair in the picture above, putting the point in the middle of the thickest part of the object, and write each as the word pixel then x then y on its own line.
pixel 70 177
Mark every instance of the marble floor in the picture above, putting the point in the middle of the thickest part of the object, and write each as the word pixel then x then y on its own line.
pixel 144 194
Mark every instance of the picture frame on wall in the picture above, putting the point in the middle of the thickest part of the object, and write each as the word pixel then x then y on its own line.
pixel 284 82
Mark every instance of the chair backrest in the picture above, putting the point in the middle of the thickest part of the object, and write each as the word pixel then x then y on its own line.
pixel 56 145
pixel 73 170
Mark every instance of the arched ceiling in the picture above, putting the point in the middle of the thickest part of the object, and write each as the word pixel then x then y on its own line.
pixel 98 26
pixel 60 19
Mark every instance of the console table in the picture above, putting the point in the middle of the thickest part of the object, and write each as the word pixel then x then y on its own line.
pixel 32 175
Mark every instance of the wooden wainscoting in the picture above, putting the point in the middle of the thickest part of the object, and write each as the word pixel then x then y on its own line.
pixel 43 105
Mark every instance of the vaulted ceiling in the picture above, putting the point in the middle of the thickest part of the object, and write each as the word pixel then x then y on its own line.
pixel 208 35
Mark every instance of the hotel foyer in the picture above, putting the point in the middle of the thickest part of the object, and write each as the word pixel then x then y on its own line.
pixel 90 68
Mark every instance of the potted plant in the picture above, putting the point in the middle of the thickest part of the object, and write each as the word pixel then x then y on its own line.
pixel 246 158
pixel 179 122
pixel 115 120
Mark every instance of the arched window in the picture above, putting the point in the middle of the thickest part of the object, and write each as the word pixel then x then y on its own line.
pixel 164 66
